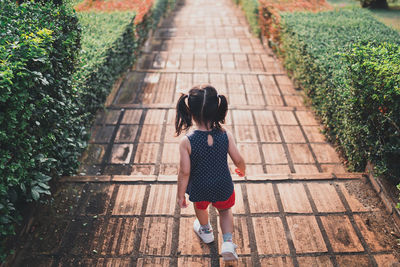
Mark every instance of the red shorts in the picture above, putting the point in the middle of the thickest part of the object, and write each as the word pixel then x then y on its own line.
pixel 221 205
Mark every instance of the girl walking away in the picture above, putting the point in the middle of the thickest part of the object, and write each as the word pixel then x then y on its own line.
pixel 204 173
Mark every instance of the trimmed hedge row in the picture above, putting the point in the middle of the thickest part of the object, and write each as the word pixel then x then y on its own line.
pixel 352 80
pixel 49 95
pixel 269 15
pixel 250 8
pixel 40 134
pixel 108 44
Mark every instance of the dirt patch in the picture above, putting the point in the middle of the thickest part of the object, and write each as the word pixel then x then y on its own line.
pixel 377 221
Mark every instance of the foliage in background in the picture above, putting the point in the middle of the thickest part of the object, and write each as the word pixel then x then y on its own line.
pixel 250 8
pixel 270 19
pixel 313 45
pixel 40 134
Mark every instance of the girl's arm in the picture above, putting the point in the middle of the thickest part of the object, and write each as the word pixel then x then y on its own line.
pixel 235 155
pixel 184 171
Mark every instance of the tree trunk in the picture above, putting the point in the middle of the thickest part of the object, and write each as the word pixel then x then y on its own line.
pixel 375 4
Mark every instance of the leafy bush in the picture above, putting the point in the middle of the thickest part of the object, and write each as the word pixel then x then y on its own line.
pixel 39 136
pixel 313 44
pixel 269 15
pixel 250 8
pixel 372 128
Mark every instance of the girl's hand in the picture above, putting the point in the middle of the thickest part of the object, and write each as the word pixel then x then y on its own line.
pixel 182 203
pixel 241 174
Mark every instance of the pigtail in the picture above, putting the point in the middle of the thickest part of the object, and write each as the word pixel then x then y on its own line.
pixel 183 119
pixel 222 109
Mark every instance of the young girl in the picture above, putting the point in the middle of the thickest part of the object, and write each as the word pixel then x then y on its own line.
pixel 204 173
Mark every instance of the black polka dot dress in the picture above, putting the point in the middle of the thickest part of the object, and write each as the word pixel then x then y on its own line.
pixel 210 179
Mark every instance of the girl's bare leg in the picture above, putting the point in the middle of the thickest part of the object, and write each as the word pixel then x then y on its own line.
pixel 202 215
pixel 226 220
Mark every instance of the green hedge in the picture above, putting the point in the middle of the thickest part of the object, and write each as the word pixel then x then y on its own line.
pixel 313 45
pixel 108 44
pixel 250 8
pixel 371 130
pixel 39 133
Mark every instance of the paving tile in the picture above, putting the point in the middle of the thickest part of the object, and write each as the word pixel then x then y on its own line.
pixel 294 198
pixel 261 198
pixel 115 238
pixel 250 152
pixel 155 116
pixel 150 262
pixel 150 133
pixel 109 116
pixel 173 61
pixel 142 169
pixel 129 200
pixel 307 237
pixel 353 261
pixel 93 154
pixel 304 169
pixel 319 261
pixel 243 262
pixel 386 260
pixel 162 199
pixel 270 235
pixel 255 100
pixel 277 261
pixel 352 200
pixel 189 242
pixel 269 133
pixel 264 117
pixel 121 154
pixel 236 99
pixel 300 153
pixel 240 235
pixel 156 236
pixel 169 169
pixel 281 169
pixel 293 100
pixel 285 117
pixel 146 153
pixel 253 170
pixel 246 133
pixel 325 197
pixel 126 134
pixel 132 116
pixel 274 154
pixel 268 84
pixel 194 261
pixel 274 100
pixel 325 153
pixel 341 234
pixel 98 200
pixel 292 134
pixel 242 117
pixel 333 168
pixel 189 210
pixel 306 118
pixel 101 134
pixel 375 240
pixel 314 134
pixel 170 153
pixel 238 208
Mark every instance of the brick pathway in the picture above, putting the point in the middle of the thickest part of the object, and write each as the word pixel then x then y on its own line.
pixel 293 209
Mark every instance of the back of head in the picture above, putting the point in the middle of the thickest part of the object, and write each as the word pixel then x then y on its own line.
pixel 205 106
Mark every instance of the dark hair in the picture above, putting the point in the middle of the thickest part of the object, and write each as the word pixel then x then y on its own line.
pixel 204 106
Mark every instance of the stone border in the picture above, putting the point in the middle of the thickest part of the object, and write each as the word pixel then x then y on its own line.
pixel 383 194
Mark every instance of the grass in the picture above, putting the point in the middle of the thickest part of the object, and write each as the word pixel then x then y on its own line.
pixel 390 17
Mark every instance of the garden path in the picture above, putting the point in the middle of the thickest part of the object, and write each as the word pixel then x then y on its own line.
pixel 296 207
